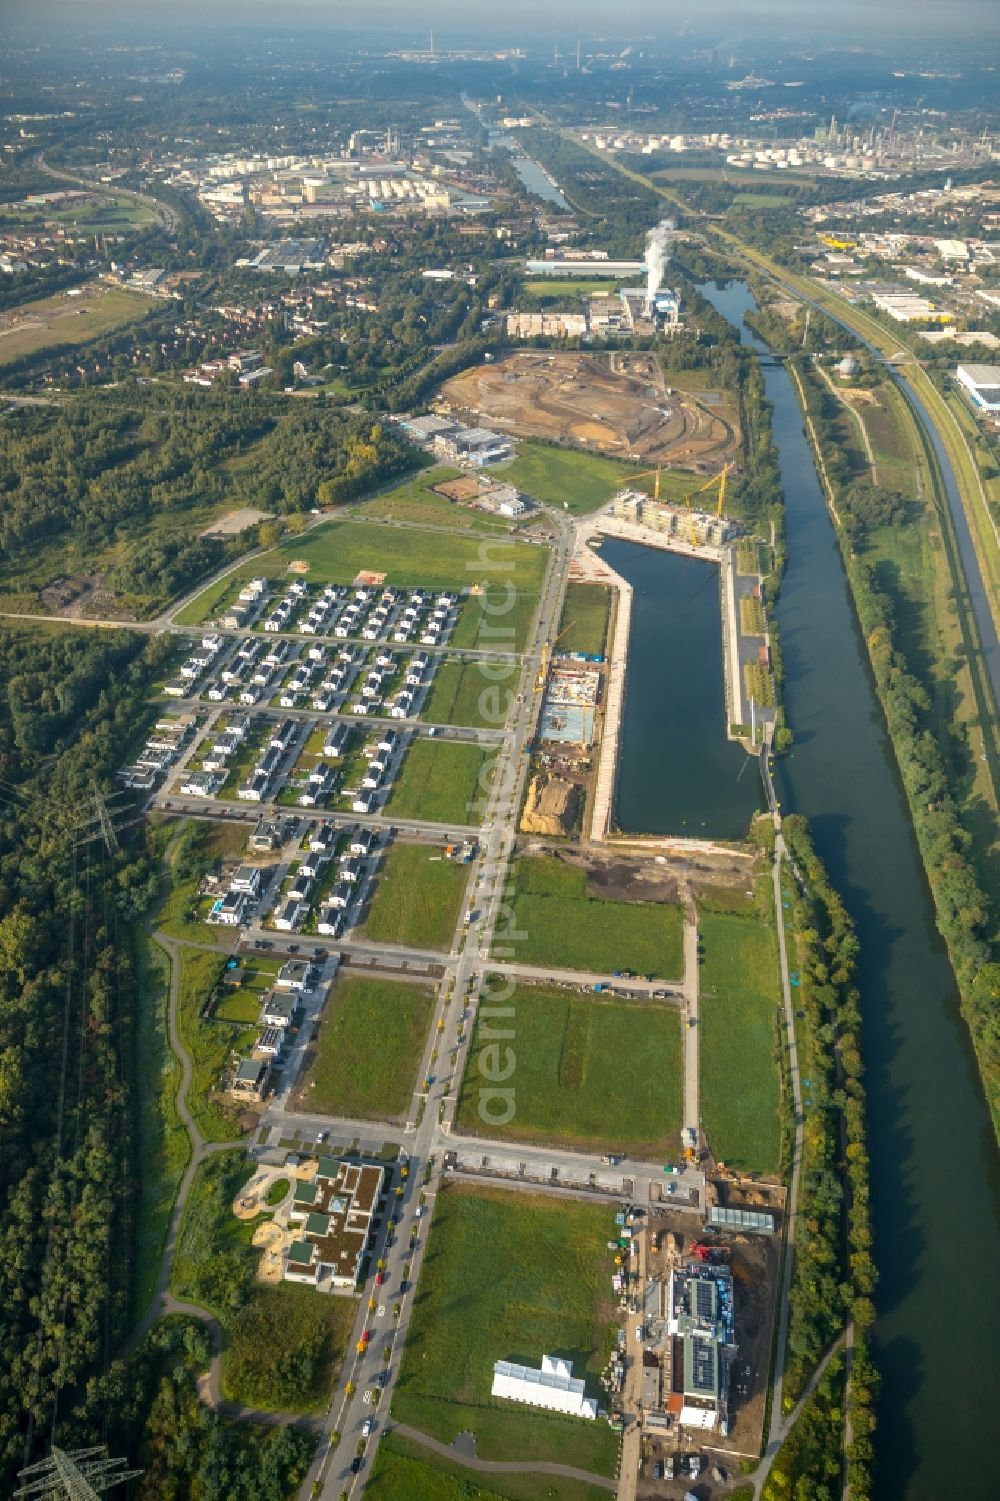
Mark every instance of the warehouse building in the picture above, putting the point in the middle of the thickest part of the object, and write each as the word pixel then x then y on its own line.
pixel 553 1387
pixel 981 384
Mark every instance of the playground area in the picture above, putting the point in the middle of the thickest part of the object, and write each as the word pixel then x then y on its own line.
pixel 615 404
pixel 270 1192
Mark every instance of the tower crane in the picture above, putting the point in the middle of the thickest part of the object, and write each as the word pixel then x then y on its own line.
pixel 545 660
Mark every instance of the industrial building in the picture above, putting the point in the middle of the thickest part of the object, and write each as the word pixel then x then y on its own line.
pixel 592 269
pixel 981 384
pixel 700 1320
pixel 553 1387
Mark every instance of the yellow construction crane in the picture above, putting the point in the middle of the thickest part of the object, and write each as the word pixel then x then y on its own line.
pixel 720 480
pixel 644 474
pixel 545 660
pixel 691 523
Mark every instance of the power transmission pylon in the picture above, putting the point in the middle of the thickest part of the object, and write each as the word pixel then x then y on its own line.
pixel 80 1476
pixel 99 823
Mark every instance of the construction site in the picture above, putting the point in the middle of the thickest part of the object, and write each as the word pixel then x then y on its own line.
pixel 706 1301
pixel 614 404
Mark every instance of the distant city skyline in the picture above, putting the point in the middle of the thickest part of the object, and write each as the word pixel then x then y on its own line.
pixel 852 18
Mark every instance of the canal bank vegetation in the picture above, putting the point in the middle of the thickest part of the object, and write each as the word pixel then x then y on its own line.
pixel 834 1274
pixel 810 1461
pixel 951 799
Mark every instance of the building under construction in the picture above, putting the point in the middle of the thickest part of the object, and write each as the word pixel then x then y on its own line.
pixel 699 528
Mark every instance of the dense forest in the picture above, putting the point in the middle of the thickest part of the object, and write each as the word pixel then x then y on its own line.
pixel 66 1009
pixel 115 468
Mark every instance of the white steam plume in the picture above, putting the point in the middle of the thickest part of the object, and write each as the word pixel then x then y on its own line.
pixel 657 256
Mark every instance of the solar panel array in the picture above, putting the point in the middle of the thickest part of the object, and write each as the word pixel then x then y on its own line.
pixel 704 1299
pixel 703 1366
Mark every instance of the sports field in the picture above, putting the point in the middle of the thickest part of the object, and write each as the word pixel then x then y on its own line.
pixel 417 899
pixel 508 1276
pixel 569 929
pixel 64 319
pixel 587 1071
pixel 440 783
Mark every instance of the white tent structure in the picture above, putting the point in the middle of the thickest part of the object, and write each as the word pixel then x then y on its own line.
pixel 554 1386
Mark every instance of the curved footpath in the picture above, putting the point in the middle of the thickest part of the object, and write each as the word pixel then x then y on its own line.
pixel 163 1302
pixel 498 1466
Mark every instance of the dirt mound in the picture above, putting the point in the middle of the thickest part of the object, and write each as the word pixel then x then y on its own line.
pixel 550 807
pixel 612 404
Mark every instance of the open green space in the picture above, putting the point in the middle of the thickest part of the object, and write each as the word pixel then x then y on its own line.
pixel 62 319
pixel 406 1471
pixel 468 693
pixel 571 286
pixel 586 1070
pixel 363 1059
pixel 509 1277
pixel 496 620
pixel 739 999
pixel 584 623
pixel 209 1043
pixel 283 1345
pixel 337 551
pixel 164 1145
pixel 564 477
pixel 416 502
pixel 570 928
pixel 440 782
pixel 417 899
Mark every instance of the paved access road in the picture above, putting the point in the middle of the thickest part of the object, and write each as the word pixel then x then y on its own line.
pixel 332 1470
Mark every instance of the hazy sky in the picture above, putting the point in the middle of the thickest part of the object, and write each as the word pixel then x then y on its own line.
pixel 664 17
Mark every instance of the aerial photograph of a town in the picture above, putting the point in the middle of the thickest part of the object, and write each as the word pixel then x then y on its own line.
pixel 499 750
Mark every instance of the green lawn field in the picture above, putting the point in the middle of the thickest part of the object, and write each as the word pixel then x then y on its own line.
pixel 569 929
pixel 62 319
pixel 467 693
pixel 584 623
pixel 417 900
pixel 587 1070
pixel 415 501
pixel 337 551
pixel 739 1004
pixel 406 1471
pixel 497 620
pixel 440 783
pixel 363 1060
pixel 509 1277
pixel 565 477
